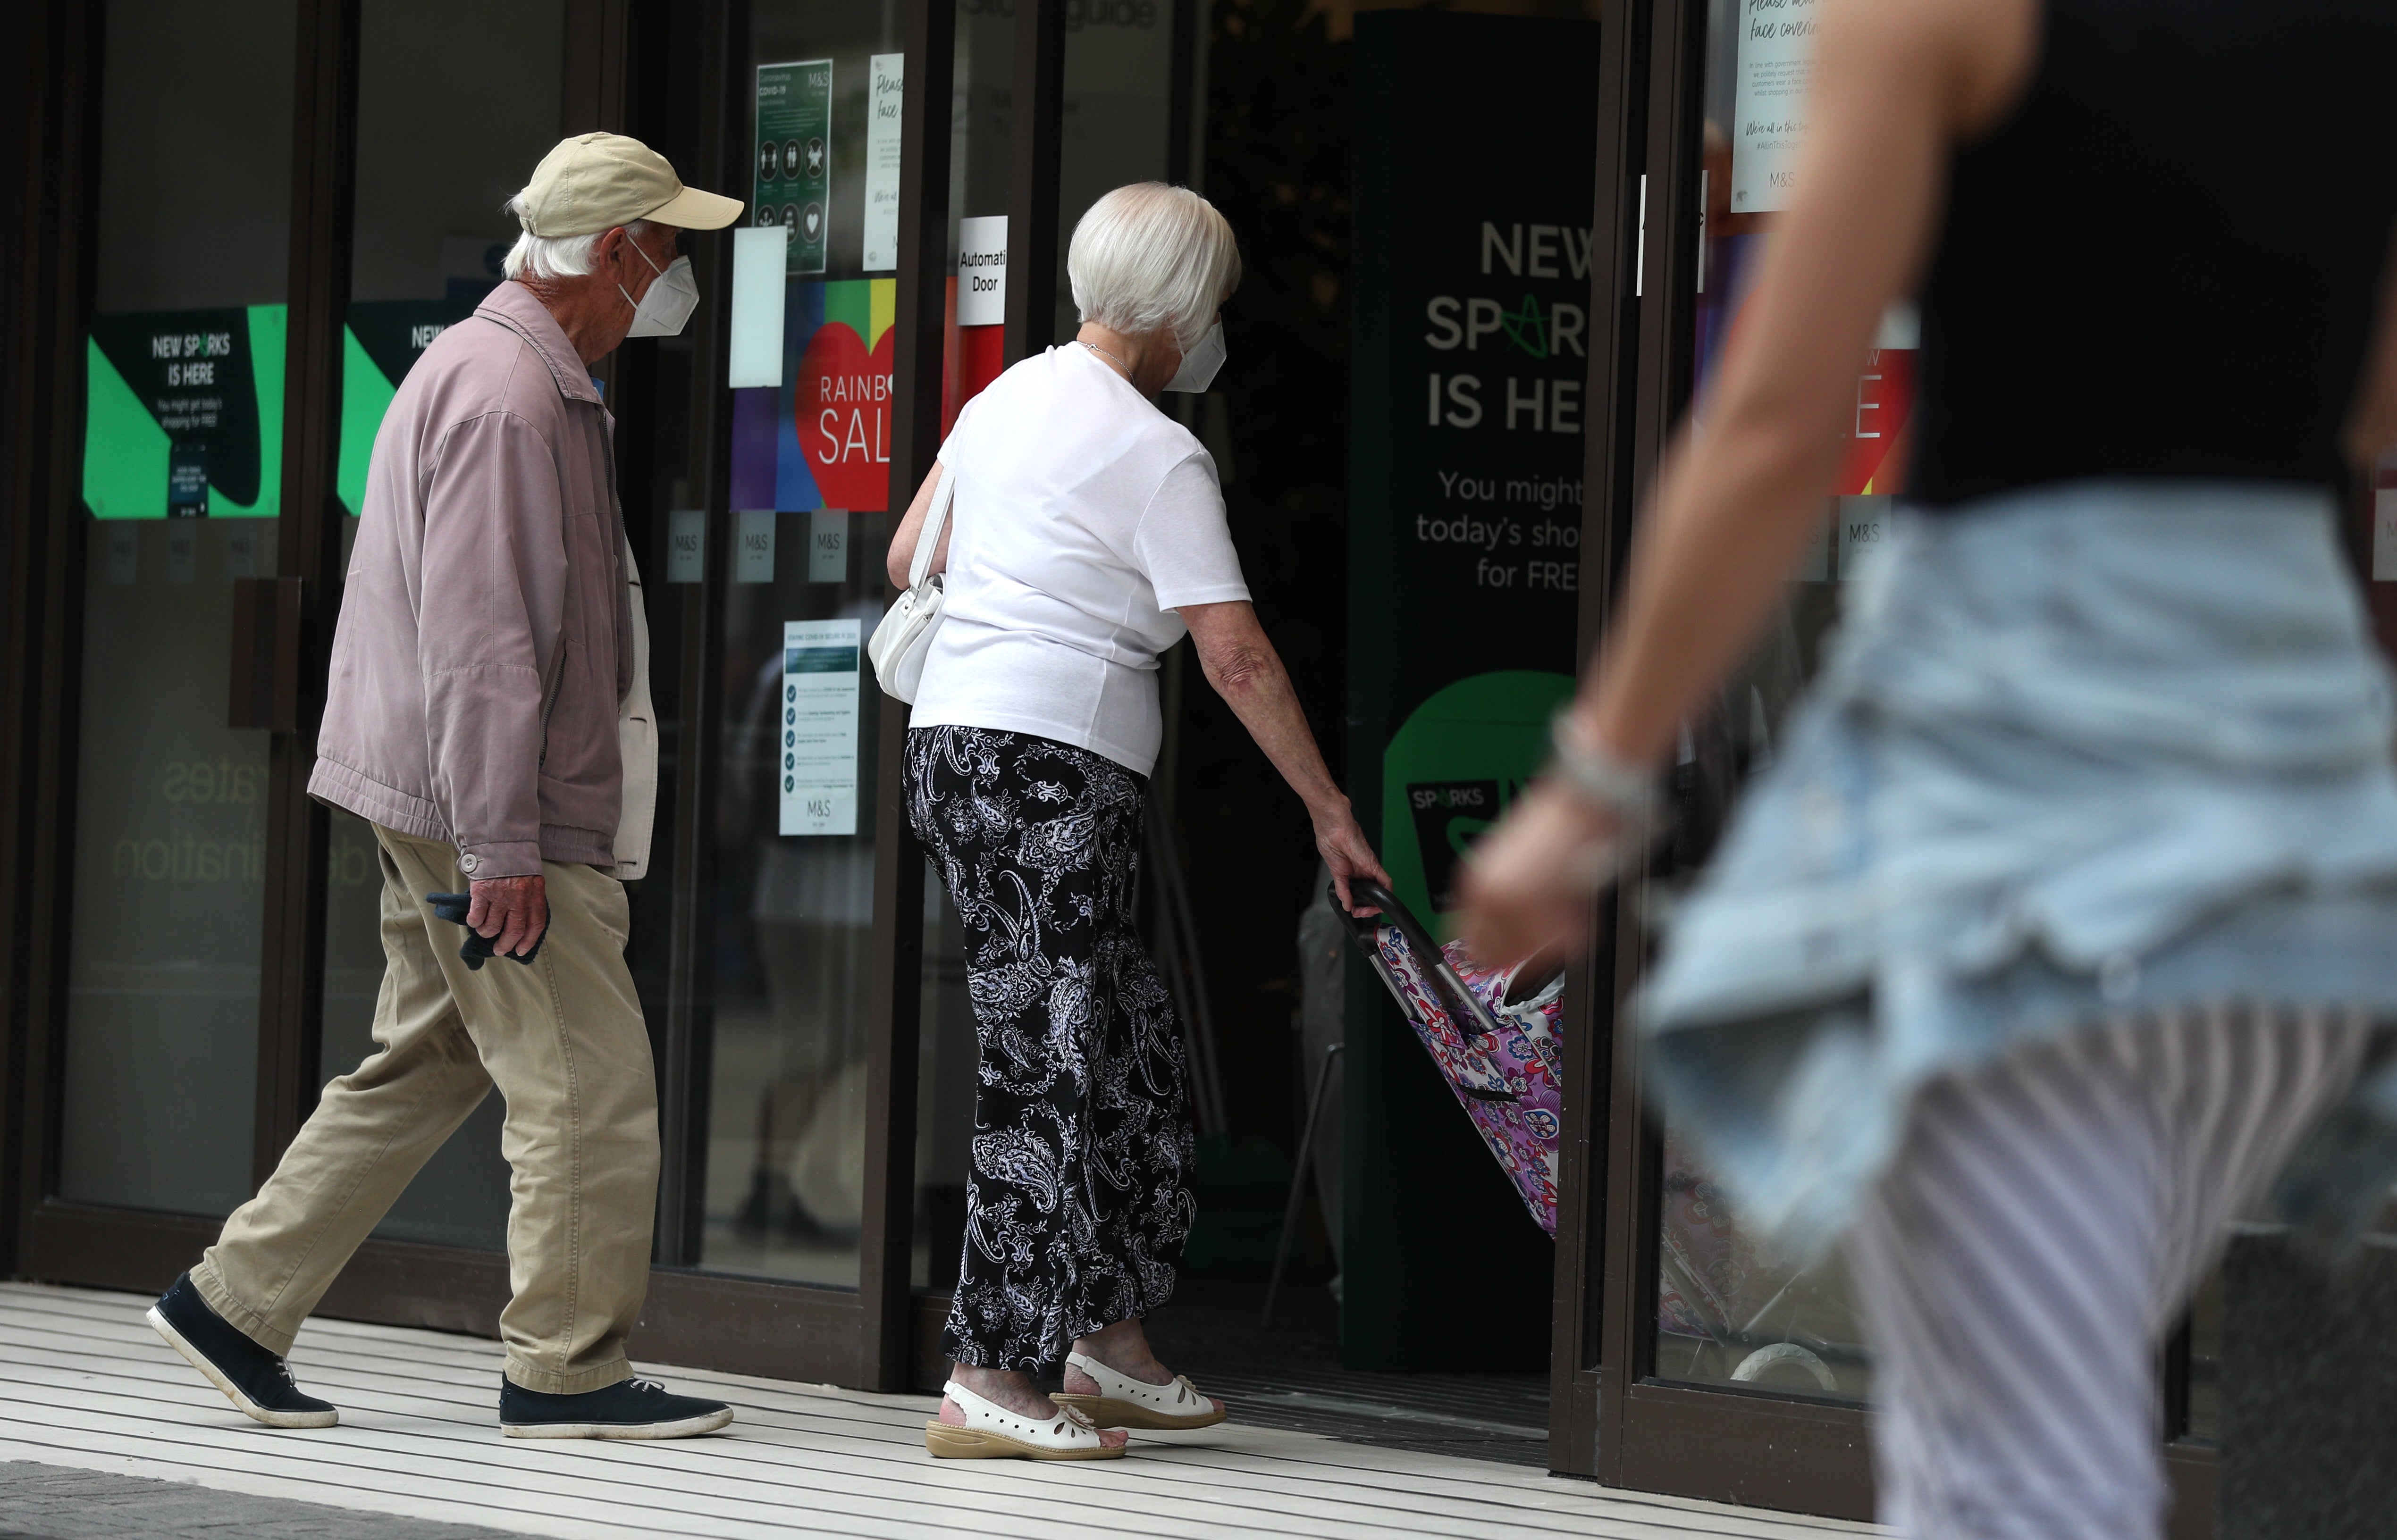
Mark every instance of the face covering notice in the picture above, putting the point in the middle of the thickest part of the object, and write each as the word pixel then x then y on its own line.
pixel 817 760
pixel 1776 65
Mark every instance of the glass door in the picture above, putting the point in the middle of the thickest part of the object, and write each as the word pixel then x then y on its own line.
pixel 181 472
pixel 445 136
pixel 787 974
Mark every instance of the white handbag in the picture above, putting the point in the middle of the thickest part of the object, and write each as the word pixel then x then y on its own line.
pixel 905 638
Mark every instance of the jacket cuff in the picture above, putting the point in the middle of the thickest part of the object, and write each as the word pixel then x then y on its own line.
pixel 506 858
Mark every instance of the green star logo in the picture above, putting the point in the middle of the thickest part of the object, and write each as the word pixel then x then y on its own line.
pixel 1526 328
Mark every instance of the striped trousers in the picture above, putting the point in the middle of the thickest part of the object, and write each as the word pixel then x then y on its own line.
pixel 2038 1231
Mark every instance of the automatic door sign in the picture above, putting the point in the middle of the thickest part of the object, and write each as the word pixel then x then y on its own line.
pixel 794 186
pixel 816 764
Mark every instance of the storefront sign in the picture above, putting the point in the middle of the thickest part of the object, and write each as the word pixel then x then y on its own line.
pixel 1471 360
pixel 982 271
pixel 794 157
pixel 819 736
pixel 1776 63
pixel 822 439
pixel 753 559
pixel 1471 341
pixel 184 414
pixel 882 107
pixel 687 545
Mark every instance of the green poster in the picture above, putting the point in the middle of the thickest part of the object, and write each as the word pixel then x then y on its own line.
pixel 184 414
pixel 793 163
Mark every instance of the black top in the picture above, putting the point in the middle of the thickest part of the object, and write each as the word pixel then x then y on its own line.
pixel 2165 263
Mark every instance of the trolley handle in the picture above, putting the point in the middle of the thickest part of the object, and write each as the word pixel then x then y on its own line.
pixel 1473 1018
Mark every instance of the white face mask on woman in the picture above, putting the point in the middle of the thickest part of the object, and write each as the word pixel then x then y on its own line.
pixel 1198 364
pixel 665 307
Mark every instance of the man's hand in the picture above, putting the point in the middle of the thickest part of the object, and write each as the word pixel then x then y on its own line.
pixel 1527 886
pixel 512 911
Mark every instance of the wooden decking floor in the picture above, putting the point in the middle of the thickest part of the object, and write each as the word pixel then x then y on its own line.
pixel 84 1383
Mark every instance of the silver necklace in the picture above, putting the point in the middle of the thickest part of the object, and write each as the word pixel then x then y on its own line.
pixel 1121 367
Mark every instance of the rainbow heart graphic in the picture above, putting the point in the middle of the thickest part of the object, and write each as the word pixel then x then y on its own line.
pixel 841 410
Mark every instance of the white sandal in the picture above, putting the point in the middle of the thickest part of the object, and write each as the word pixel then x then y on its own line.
pixel 1126 1402
pixel 992 1432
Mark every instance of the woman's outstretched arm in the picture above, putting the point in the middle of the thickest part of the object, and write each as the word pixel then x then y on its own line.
pixel 1895 83
pixel 1242 665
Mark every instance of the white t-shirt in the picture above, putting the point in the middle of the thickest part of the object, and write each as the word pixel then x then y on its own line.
pixel 1084 517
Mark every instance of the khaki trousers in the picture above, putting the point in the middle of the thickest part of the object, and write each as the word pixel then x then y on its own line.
pixel 564 1040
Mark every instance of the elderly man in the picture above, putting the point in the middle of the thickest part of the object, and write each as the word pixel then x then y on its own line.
pixel 487 713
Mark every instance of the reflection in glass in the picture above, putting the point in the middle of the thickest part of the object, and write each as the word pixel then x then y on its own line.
pixel 445 135
pixel 1733 1307
pixel 794 936
pixel 182 461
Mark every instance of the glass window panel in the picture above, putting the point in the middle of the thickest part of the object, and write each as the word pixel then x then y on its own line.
pixel 1733 1308
pixel 457 102
pixel 789 968
pixel 1116 129
pixel 183 463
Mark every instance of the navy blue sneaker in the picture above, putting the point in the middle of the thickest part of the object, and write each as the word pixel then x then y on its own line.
pixel 255 1380
pixel 629 1409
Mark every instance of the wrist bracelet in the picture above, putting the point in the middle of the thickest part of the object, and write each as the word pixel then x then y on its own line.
pixel 1623 788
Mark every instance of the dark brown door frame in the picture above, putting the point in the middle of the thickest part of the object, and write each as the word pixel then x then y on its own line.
pixel 1577 1346
pixel 54 143
pixel 887 1340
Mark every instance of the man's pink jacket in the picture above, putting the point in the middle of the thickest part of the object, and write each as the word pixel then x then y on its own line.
pixel 485 639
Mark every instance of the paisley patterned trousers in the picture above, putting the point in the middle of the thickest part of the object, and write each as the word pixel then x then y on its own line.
pixel 1077 1199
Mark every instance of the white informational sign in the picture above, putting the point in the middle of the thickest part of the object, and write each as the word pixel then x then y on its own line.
pixel 241 552
pixel 1777 62
pixel 755 559
pixel 982 271
pixel 828 545
pixel 182 551
pixel 2384 534
pixel 1859 525
pixel 882 103
pixel 753 358
pixel 687 545
pixel 817 766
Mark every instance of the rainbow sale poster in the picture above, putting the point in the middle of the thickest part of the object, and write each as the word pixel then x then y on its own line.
pixel 823 439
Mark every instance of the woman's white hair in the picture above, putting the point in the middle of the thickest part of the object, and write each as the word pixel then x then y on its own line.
pixel 1149 256
pixel 554 256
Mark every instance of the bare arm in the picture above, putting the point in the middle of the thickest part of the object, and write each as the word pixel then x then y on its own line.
pixel 1895 83
pixel 911 530
pixel 2374 431
pixel 1241 663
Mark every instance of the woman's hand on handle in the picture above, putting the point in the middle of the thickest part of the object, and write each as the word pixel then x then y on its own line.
pixel 1246 671
pixel 1343 848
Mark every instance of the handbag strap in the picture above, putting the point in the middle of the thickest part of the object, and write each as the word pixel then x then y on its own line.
pixel 919 567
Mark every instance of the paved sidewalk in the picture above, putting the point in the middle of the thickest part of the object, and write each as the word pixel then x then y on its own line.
pixel 40 1502
pixel 85 1384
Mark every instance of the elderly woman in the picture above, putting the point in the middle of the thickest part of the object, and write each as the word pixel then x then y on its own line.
pixel 1088 536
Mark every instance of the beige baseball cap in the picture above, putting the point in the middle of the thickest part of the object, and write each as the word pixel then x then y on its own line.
pixel 597 182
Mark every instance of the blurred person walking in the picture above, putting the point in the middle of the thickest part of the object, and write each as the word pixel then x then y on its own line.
pixel 1089 536
pixel 2066 908
pixel 488 712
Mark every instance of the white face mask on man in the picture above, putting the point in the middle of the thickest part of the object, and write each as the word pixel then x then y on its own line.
pixel 1198 364
pixel 665 308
